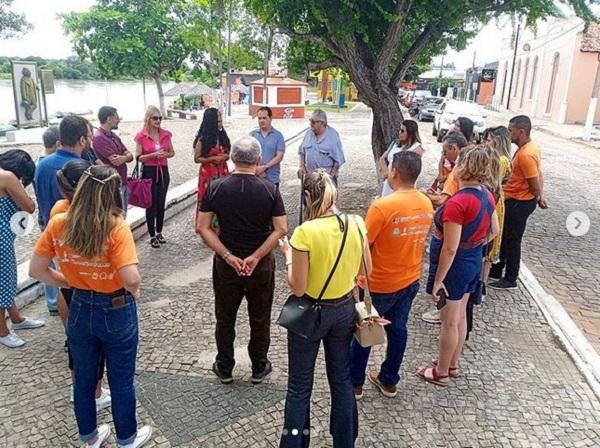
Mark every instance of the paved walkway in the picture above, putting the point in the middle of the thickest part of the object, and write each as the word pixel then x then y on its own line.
pixel 181 167
pixel 567 266
pixel 518 387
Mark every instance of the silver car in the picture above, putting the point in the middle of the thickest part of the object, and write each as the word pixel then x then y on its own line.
pixel 448 113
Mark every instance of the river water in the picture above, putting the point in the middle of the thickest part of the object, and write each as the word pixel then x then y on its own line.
pixel 79 96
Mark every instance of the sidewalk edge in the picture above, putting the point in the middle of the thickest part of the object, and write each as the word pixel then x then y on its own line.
pixel 178 199
pixel 577 346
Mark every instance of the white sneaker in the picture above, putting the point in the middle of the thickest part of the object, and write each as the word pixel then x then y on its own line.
pixel 28 323
pixel 103 401
pixel 143 435
pixel 11 340
pixel 432 317
pixel 103 433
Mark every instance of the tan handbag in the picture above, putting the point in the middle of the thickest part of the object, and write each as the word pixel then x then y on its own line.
pixel 367 332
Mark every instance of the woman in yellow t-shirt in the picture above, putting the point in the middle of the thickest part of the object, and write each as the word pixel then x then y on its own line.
pixel 498 139
pixel 97 257
pixel 310 258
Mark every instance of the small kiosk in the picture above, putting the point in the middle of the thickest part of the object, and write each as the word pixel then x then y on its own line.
pixel 285 96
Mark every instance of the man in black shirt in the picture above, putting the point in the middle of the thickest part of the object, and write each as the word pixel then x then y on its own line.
pixel 251 219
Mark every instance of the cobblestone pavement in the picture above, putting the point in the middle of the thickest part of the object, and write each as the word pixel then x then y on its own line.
pixel 566 266
pixel 518 386
pixel 181 167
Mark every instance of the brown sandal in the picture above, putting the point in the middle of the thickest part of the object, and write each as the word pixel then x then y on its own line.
pixel 453 372
pixel 434 378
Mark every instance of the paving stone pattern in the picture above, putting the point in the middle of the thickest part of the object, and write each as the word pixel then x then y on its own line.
pixel 567 266
pixel 181 167
pixel 518 387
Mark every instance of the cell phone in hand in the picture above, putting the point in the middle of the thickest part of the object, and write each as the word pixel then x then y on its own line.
pixel 442 299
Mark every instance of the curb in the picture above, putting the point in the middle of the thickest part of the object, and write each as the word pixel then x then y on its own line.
pixel 577 346
pixel 178 199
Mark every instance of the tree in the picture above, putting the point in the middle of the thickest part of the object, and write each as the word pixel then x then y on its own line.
pixel 137 38
pixel 377 41
pixel 11 23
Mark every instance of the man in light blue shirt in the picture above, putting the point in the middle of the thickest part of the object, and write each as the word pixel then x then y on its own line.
pixel 272 146
pixel 75 137
pixel 321 148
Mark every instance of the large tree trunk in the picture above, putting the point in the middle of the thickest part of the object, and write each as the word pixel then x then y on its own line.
pixel 383 101
pixel 161 94
pixel 386 121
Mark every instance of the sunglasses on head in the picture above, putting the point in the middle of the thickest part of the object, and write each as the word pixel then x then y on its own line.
pixel 156 118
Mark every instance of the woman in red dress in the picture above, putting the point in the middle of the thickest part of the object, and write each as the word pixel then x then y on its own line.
pixel 211 150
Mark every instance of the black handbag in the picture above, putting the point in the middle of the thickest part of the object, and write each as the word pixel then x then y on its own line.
pixel 302 315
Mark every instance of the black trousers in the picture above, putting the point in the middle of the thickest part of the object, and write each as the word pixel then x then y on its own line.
pixel 515 222
pixel 155 215
pixel 230 289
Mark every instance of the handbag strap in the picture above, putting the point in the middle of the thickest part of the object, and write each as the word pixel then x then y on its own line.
pixel 337 260
pixel 367 299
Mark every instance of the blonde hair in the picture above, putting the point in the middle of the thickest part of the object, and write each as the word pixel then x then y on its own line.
pixel 501 137
pixel 321 192
pixel 494 181
pixel 474 164
pixel 151 111
pixel 93 212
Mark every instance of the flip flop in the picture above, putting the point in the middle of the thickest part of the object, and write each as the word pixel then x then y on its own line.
pixel 453 372
pixel 434 377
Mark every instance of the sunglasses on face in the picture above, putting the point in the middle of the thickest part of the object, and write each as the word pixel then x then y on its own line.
pixel 156 118
pixel 315 121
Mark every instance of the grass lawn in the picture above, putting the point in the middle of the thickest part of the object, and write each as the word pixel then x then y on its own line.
pixel 329 108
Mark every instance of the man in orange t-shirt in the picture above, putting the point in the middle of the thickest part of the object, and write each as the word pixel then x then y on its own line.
pixel 523 192
pixel 397 227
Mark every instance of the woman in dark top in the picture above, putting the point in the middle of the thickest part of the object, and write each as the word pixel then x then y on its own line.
pixel 463 225
pixel 211 151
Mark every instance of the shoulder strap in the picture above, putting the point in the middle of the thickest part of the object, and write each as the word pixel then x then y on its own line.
pixel 367 298
pixel 337 260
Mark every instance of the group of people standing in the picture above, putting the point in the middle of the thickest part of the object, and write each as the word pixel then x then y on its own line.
pixel 242 218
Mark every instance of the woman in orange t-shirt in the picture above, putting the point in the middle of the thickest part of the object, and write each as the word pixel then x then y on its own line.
pixel 67 179
pixel 96 253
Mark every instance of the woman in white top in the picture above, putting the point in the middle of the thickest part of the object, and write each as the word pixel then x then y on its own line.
pixel 408 140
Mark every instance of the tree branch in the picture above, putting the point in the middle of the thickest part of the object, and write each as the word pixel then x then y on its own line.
pixel 318 66
pixel 301 37
pixel 392 38
pixel 411 54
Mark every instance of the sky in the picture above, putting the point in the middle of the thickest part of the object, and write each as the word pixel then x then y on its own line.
pixel 47 39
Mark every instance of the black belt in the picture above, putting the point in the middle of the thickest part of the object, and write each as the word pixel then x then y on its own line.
pixel 117 293
pixel 334 302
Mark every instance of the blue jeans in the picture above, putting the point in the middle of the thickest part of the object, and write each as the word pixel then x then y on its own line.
pixel 97 323
pixel 395 307
pixel 336 330
pixel 51 293
pixel 125 197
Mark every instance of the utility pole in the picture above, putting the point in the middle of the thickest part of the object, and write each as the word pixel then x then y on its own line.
pixel 267 58
pixel 439 91
pixel 589 121
pixel 228 78
pixel 512 70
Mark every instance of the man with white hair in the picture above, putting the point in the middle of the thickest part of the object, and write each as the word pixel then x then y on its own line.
pixel 251 219
pixel 321 148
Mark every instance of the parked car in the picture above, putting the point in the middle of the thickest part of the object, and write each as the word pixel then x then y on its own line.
pixel 447 114
pixel 426 110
